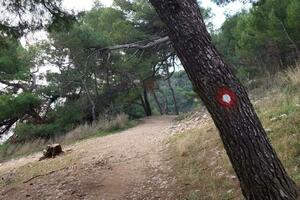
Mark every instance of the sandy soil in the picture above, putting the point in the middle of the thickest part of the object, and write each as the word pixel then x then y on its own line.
pixel 132 164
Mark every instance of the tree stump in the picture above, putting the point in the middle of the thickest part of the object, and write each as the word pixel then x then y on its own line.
pixel 51 151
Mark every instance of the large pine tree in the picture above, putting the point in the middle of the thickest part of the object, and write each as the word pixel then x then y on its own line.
pixel 261 174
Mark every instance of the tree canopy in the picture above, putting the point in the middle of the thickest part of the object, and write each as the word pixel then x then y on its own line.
pixel 90 80
pixel 119 59
pixel 264 39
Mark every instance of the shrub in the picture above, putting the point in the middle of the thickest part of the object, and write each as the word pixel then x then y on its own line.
pixel 30 132
pixel 32 138
pixel 118 122
pixel 291 75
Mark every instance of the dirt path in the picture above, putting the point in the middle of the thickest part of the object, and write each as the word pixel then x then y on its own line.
pixel 128 165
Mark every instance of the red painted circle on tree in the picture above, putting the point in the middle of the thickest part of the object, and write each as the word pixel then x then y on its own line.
pixel 226 97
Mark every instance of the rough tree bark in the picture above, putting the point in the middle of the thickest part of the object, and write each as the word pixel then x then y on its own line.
pixel 261 174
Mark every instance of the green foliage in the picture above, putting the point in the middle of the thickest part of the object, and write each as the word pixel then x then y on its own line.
pixel 29 132
pixel 13 61
pixel 266 36
pixel 102 79
pixel 99 27
pixel 246 74
pixel 186 98
pixel 293 19
pixel 143 15
pixel 65 119
pixel 69 114
pixel 89 82
pixel 29 15
pixel 15 107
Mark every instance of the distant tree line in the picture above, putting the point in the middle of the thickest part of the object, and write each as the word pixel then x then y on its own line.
pixel 112 60
pixel 89 78
pixel 265 39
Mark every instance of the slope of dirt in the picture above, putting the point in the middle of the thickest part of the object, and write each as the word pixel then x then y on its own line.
pixel 132 164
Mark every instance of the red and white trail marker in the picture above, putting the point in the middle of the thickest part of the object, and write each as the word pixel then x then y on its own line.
pixel 226 97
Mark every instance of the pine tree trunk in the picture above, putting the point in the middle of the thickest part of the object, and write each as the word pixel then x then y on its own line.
pixel 143 104
pixel 147 104
pixel 157 103
pixel 90 98
pixel 165 107
pixel 261 174
pixel 173 93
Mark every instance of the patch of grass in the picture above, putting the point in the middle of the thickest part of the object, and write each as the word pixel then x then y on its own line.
pixel 292 75
pixel 103 127
pixel 24 173
pixel 202 166
pixel 103 133
pixel 279 110
pixel 281 116
pixel 9 151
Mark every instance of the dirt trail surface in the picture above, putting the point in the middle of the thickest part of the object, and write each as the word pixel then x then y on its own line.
pixel 132 164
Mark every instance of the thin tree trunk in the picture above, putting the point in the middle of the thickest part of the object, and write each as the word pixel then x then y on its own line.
pixel 6 125
pixel 107 77
pixel 261 174
pixel 147 104
pixel 93 108
pixel 146 109
pixel 157 102
pixel 143 104
pixel 165 109
pixel 172 92
pixel 96 84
